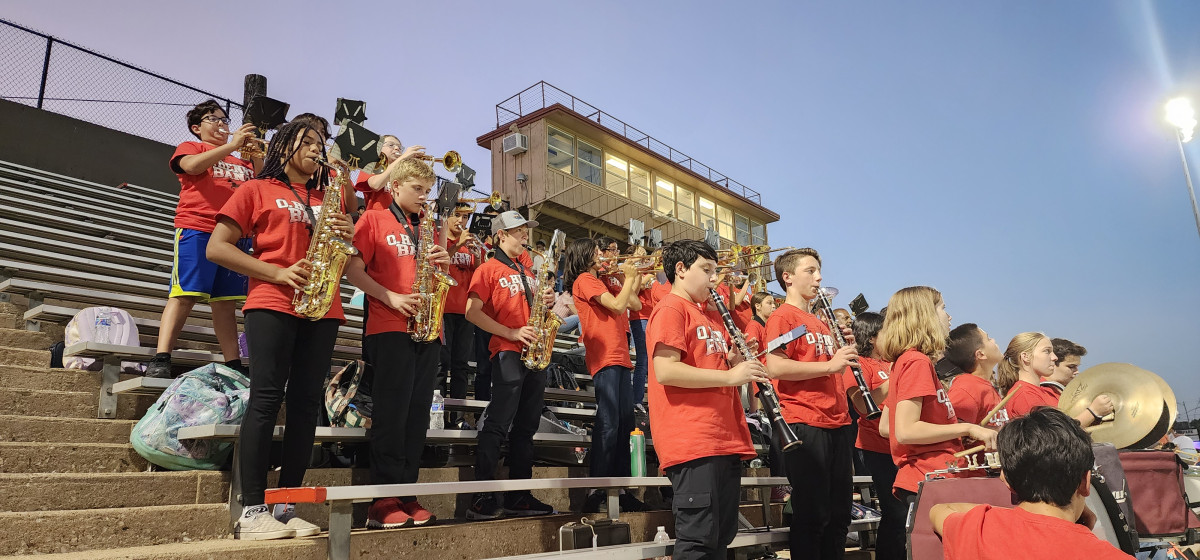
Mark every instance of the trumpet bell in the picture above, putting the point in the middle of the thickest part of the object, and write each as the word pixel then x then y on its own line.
pixel 451 161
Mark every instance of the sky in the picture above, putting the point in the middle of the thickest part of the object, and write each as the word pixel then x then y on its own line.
pixel 1011 154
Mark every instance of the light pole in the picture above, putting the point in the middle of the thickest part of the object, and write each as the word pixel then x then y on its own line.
pixel 1182 116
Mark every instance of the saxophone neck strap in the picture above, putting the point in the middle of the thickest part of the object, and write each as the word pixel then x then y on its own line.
pixel 406 223
pixel 312 217
pixel 520 269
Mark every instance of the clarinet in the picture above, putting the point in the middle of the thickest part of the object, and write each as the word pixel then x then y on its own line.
pixel 766 393
pixel 873 411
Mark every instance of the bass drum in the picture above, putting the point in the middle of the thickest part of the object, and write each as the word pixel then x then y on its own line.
pixel 1111 524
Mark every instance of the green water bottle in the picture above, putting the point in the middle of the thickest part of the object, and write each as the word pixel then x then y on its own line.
pixel 637 453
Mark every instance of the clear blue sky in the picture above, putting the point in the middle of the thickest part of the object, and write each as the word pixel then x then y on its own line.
pixel 1011 154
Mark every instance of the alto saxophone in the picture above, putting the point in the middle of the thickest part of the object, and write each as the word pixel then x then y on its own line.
pixel 431 284
pixel 327 252
pixel 543 319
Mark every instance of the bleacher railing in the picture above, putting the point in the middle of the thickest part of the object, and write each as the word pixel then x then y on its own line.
pixel 542 95
pixel 51 74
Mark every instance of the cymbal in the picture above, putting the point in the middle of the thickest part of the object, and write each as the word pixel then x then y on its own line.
pixel 1141 410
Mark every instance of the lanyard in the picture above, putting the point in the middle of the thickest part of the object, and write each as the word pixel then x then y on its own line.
pixel 408 229
pixel 312 218
pixel 504 258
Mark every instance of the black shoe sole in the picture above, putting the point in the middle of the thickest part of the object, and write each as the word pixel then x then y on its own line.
pixel 473 516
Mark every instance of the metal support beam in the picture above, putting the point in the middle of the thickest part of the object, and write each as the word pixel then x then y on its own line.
pixel 109 375
pixel 340 519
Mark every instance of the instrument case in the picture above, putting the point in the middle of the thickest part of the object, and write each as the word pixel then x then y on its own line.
pixel 577 536
pixel 1155 482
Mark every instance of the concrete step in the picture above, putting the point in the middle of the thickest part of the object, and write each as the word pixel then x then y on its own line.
pixel 23 457
pixel 63 430
pixel 20 338
pixel 224 549
pixel 46 532
pixel 24 356
pixel 76 491
pixel 11 320
pixel 27 377
pixel 68 404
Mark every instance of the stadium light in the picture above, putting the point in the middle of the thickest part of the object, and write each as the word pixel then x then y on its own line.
pixel 1182 116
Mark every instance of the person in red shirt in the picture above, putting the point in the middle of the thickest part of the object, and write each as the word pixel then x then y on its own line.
pixel 700 433
pixel 971 350
pixel 289 354
pixel 637 331
pixel 807 374
pixel 208 174
pixel 499 298
pixel 1028 360
pixel 373 186
pixel 405 370
pixel 1046 460
pixel 603 324
pixel 736 292
pixel 459 334
pixel 923 430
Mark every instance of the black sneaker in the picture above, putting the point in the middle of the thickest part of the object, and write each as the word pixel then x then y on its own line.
pixel 484 506
pixel 596 502
pixel 630 503
pixel 524 504
pixel 159 368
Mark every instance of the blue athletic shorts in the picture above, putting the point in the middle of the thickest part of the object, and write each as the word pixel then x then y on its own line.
pixel 195 276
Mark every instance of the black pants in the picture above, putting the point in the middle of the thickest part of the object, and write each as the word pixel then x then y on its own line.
pixel 705 505
pixel 820 473
pixel 483 365
pixel 458 350
pixel 405 375
pixel 889 544
pixel 515 412
pixel 289 357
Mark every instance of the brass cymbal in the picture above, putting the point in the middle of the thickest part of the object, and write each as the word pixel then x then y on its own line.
pixel 1140 404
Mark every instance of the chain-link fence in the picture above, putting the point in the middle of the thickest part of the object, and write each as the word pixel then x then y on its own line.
pixel 45 72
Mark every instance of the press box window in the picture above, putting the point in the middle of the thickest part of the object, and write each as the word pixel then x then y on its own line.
pixel 639 182
pixel 616 175
pixel 742 225
pixel 561 151
pixel 685 203
pixel 708 214
pixel 664 202
pixel 589 163
pixel 758 233
pixel 725 222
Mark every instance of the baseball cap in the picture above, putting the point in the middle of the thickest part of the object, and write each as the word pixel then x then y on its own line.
pixel 509 220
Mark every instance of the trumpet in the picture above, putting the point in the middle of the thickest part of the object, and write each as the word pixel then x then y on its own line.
pixel 451 161
pixel 495 200
pixel 253 148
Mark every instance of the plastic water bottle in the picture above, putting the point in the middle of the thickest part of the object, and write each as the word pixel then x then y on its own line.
pixel 637 452
pixel 661 537
pixel 103 326
pixel 437 411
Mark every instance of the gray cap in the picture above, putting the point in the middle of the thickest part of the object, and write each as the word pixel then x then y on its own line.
pixel 509 220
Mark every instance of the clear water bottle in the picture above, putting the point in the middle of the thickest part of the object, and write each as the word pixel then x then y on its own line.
pixel 661 537
pixel 103 326
pixel 437 411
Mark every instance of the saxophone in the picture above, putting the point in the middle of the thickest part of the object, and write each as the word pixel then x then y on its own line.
pixel 327 252
pixel 543 319
pixel 431 284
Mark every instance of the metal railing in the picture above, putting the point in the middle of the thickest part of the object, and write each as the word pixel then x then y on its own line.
pixel 542 95
pixel 51 74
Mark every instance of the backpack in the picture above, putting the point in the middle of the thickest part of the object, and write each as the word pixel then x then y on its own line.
pixel 212 394
pixel 104 325
pixel 346 406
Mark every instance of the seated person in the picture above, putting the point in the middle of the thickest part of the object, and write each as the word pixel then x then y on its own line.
pixel 1046 459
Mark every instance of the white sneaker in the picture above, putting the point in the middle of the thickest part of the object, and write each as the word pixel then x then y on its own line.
pixel 302 527
pixel 262 526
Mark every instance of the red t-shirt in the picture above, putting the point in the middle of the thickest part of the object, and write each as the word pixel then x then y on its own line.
pixel 603 332
pixel 614 282
pixel 390 255
pixel 375 199
pixel 875 373
pixel 503 295
pixel 913 377
pixel 996 533
pixel 269 211
pixel 646 296
pixel 463 263
pixel 973 397
pixel 755 332
pixel 1028 397
pixel 202 196
pixel 742 314
pixel 692 423
pixel 820 401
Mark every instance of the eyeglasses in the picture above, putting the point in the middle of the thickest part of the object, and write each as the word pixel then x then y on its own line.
pixel 211 119
pixel 392 145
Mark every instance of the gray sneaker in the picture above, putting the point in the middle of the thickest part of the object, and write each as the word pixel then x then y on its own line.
pixel 263 526
pixel 302 527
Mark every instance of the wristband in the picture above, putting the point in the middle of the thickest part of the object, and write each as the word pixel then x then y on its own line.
pixel 1094 415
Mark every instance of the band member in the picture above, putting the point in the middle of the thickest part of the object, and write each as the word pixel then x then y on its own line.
pixel 700 432
pixel 637 329
pixel 1066 368
pixel 610 273
pixel 924 432
pixel 971 393
pixel 466 256
pixel 873 448
pixel 375 196
pixel 289 354
pixel 807 374
pixel 1028 360
pixel 405 370
pixel 500 296
pixel 763 305
pixel 736 292
pixel 483 339
pixel 1051 520
pixel 603 322
pixel 208 174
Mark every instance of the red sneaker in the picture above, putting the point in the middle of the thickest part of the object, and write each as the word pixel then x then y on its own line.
pixel 419 514
pixel 387 513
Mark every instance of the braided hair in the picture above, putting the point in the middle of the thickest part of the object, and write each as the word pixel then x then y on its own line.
pixel 283 147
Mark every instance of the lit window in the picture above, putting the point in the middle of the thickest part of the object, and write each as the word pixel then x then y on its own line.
pixel 684 204
pixel 708 214
pixel 665 201
pixel 725 222
pixel 742 225
pixel 589 162
pixel 616 175
pixel 639 181
pixel 561 151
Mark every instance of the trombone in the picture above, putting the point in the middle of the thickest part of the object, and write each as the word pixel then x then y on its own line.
pixel 451 161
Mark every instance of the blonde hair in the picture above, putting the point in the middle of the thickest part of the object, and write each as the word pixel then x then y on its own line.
pixel 411 168
pixel 1010 367
pixel 912 322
